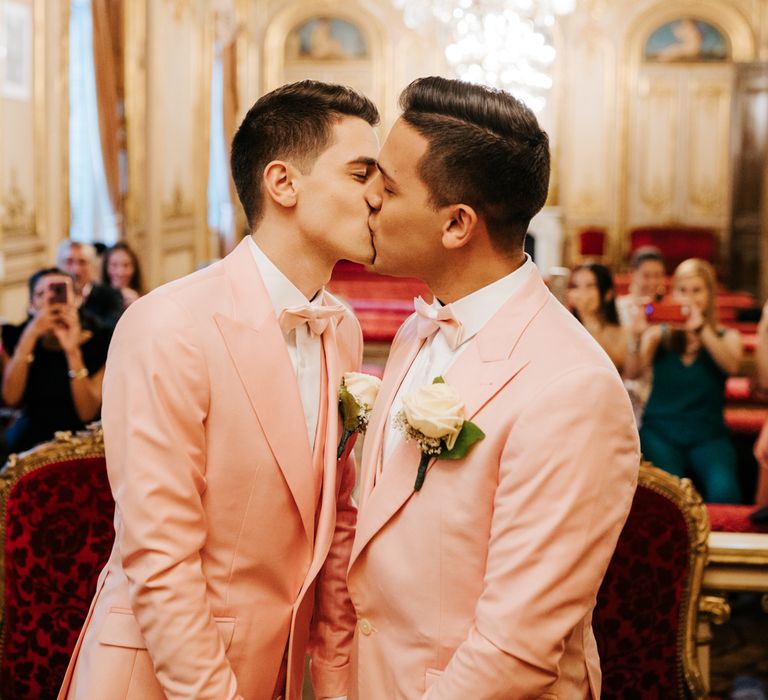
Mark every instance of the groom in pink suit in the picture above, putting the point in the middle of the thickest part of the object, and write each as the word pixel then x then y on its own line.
pixel 234 522
pixel 481 584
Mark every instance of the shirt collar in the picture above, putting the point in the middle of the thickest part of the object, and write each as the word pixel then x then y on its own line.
pixel 282 292
pixel 476 309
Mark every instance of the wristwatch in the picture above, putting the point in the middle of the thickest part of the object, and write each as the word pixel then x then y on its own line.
pixel 81 373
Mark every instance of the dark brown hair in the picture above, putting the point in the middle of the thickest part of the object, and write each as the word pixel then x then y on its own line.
pixel 486 150
pixel 135 281
pixel 605 291
pixel 293 122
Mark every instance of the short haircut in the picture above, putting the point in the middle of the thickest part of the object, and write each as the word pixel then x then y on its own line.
pixel 45 272
pixel 294 122
pixel 644 254
pixel 486 149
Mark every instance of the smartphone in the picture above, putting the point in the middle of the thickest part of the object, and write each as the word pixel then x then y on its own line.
pixel 58 293
pixel 666 313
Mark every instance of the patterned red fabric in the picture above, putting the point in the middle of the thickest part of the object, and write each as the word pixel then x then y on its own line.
pixel 638 614
pixel 724 517
pixel 59 534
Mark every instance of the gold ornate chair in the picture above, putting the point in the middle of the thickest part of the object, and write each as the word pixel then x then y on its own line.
pixel 646 616
pixel 56 512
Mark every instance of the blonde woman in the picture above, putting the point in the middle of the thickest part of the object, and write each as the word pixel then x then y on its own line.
pixel 683 430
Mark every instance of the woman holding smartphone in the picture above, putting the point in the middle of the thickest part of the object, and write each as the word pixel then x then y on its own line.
pixel 683 430
pixel 53 364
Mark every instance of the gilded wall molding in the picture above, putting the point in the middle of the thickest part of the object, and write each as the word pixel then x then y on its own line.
pixel 178 207
pixel 135 76
pixel 16 215
pixel 728 17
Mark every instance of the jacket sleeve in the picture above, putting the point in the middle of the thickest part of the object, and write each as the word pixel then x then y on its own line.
pixel 567 475
pixel 156 393
pixel 334 617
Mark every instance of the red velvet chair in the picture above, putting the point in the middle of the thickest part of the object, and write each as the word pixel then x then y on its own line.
pixel 646 614
pixel 57 533
pixel 676 242
pixel 592 242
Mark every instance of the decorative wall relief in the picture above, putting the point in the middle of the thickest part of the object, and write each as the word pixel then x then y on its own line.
pixel 326 39
pixel 687 40
pixel 14 210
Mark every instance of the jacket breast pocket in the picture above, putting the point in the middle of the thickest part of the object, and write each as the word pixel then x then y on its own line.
pixel 120 629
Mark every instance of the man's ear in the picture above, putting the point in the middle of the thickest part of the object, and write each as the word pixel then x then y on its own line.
pixel 460 226
pixel 279 183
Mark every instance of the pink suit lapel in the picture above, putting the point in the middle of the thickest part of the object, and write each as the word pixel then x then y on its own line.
pixel 257 349
pixel 400 359
pixel 481 371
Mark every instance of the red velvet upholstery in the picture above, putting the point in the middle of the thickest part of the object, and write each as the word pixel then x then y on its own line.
pixel 676 242
pixel 640 605
pixel 724 517
pixel 380 302
pixel 58 535
pixel 592 242
pixel 748 419
pixel 738 389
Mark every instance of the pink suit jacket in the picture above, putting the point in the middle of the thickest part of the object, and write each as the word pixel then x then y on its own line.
pixel 224 548
pixel 482 584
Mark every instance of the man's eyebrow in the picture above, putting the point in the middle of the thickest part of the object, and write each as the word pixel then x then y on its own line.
pixel 363 160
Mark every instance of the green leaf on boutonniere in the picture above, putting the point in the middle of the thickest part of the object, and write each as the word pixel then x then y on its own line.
pixel 468 436
pixel 438 380
pixel 349 409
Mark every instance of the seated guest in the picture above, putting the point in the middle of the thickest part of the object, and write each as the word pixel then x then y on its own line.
pixel 121 271
pixel 102 304
pixel 646 287
pixel 761 444
pixel 53 363
pixel 591 298
pixel 683 429
pixel 646 283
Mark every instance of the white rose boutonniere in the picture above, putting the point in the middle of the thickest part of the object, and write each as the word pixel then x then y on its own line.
pixel 433 415
pixel 357 394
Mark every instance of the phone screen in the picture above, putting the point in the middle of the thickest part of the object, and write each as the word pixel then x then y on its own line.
pixel 58 293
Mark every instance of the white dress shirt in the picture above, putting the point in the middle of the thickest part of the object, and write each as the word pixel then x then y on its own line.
pixel 304 348
pixel 436 356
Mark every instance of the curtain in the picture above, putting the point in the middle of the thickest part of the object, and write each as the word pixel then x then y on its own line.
pixel 107 61
pixel 93 216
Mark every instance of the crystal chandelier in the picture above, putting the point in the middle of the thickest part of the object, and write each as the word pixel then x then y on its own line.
pixel 503 43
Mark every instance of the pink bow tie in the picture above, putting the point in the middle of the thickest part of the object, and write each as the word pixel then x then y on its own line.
pixel 429 319
pixel 316 317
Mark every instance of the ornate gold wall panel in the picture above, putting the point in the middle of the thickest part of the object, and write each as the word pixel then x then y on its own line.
pixel 708 157
pixel 638 191
pixel 33 149
pixel 655 150
pixel 168 131
pixel 586 127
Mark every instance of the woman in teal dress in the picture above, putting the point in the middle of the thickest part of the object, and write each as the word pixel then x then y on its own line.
pixel 683 430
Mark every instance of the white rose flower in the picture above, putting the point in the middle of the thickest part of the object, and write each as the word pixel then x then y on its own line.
pixel 437 411
pixel 363 387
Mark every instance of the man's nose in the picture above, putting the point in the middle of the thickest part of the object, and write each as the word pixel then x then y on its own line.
pixel 373 193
